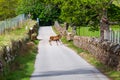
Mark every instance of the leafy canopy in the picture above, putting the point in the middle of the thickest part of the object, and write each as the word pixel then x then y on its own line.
pixel 7 8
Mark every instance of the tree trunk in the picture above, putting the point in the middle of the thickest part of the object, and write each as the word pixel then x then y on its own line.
pixel 66 25
pixel 104 24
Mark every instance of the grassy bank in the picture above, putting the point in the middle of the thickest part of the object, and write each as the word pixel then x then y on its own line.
pixel 16 34
pixel 111 73
pixel 23 66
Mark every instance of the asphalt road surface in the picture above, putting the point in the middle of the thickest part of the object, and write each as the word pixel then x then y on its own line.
pixel 58 62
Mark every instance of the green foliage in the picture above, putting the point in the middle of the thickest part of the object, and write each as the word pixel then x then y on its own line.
pixel 116 2
pixel 45 10
pixel 93 28
pixel 114 13
pixel 86 12
pixel 75 12
pixel 7 8
pixel 79 12
pixel 48 14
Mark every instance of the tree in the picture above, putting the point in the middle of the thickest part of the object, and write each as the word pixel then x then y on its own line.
pixel 75 12
pixel 7 8
pixel 88 12
pixel 44 9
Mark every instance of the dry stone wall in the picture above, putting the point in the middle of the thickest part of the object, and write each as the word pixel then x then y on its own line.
pixel 9 52
pixel 106 52
pixel 33 32
pixel 60 29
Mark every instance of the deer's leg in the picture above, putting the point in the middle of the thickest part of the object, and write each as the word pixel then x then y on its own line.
pixel 60 42
pixel 50 42
pixel 57 42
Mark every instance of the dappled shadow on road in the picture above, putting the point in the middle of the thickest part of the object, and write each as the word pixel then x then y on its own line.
pixel 88 72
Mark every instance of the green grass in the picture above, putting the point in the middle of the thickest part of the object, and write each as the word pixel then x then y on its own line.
pixel 17 34
pixel 24 65
pixel 84 31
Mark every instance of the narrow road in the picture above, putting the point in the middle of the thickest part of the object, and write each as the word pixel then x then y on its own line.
pixel 57 62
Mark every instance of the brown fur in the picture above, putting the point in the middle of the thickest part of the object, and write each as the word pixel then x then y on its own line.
pixel 55 38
